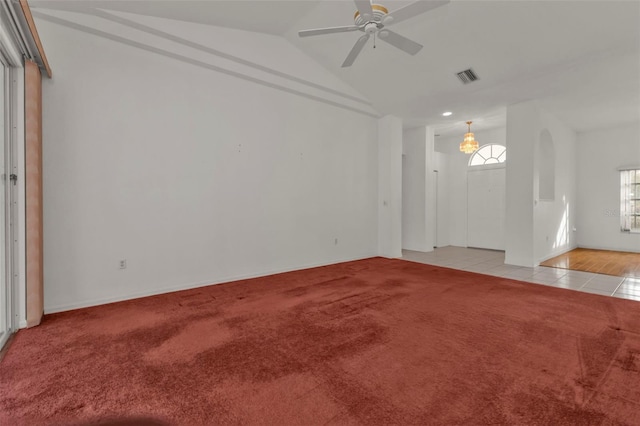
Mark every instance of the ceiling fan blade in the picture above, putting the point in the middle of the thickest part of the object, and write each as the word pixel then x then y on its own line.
pixel 401 42
pixel 320 31
pixel 411 10
pixel 355 51
pixel 365 9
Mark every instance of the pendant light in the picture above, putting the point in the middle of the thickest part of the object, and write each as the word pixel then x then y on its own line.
pixel 469 144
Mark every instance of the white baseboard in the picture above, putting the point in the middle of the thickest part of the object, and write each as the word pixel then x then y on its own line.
pixel 626 250
pixel 189 286
pixel 423 248
pixel 22 324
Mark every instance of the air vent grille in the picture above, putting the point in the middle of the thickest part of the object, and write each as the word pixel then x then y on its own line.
pixel 467 76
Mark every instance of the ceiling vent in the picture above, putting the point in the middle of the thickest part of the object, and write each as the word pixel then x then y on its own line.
pixel 467 76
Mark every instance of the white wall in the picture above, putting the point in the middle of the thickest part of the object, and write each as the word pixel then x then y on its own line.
pixel 522 132
pixel 537 230
pixel 194 171
pixel 390 186
pixel 555 219
pixel 456 177
pixel 413 189
pixel 600 155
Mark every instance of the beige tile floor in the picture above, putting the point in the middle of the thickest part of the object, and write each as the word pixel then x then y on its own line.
pixel 491 262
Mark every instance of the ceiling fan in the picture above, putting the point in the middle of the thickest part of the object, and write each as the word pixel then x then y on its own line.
pixel 374 19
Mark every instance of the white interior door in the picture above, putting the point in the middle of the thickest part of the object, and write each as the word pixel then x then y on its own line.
pixel 486 219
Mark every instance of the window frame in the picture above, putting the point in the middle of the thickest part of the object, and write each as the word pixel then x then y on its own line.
pixel 498 163
pixel 626 202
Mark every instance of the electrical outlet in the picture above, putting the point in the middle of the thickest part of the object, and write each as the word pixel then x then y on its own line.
pixel 123 264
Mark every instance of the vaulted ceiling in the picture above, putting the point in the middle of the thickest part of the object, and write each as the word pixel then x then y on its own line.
pixel 579 59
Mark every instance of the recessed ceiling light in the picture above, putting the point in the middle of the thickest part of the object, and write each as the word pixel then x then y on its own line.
pixel 446 114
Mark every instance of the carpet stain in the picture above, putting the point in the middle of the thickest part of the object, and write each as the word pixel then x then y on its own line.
pixel 307 288
pixel 631 361
pixel 597 354
pixel 296 342
pixel 118 321
pixel 191 340
pixel 542 407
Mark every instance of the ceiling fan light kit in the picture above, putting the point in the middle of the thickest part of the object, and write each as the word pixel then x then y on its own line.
pixel 372 19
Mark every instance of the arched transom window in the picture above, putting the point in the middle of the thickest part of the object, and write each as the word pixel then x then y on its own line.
pixel 488 154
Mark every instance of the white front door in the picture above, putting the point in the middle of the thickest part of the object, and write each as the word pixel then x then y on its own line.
pixel 486 218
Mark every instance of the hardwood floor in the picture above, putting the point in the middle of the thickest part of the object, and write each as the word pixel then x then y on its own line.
pixel 617 263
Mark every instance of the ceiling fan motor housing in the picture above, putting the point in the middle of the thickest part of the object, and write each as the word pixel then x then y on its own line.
pixel 370 27
pixel 379 12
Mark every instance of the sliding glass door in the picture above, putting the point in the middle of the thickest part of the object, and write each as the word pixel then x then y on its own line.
pixel 6 299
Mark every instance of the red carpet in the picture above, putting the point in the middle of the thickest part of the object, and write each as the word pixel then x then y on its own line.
pixel 376 341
